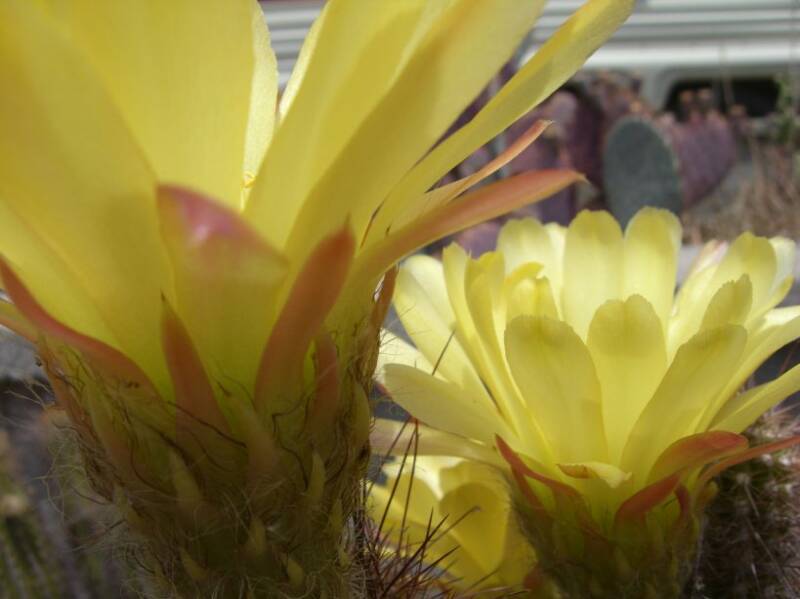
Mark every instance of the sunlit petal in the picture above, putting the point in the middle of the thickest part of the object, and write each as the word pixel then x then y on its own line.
pixel 63 143
pixel 593 261
pixel 699 371
pixel 652 242
pixel 555 373
pixel 195 81
pixel 536 80
pixel 627 346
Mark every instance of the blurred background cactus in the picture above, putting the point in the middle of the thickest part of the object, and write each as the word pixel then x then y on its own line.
pixel 752 529
pixel 24 564
pixel 666 161
pixel 640 163
pixel 54 536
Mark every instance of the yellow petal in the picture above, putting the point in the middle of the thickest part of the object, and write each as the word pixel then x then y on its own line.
pixel 525 293
pixel 527 240
pixel 504 558
pixel 416 73
pixel 469 209
pixel 301 65
pixel 428 275
pixel 785 254
pixel 593 267
pixel 558 237
pixel 776 318
pixel 730 305
pixel 755 257
pixel 483 282
pixel 195 80
pixel 479 516
pixel 454 263
pixel 50 279
pixel 747 255
pixel 423 307
pixel 415 500
pixel 70 171
pixel 652 242
pixel 710 254
pixel 628 350
pixel 691 303
pixel 390 437
pixel 557 378
pixel 355 53
pixel 744 409
pixel 461 500
pixel 262 118
pixel 699 371
pixel 390 216
pixel 777 328
pixel 477 324
pixel 443 405
pixel 554 63
pixel 105 361
pixel 395 350
pixel 779 293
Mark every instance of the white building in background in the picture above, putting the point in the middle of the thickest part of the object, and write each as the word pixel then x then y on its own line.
pixel 738 45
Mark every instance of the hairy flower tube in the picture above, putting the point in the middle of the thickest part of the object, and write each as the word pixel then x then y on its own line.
pixel 566 359
pixel 196 259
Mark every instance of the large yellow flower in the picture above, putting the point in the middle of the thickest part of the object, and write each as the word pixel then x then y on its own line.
pixel 196 259
pixel 566 359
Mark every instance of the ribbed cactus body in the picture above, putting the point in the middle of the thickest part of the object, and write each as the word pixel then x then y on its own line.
pixel 51 535
pixel 26 564
pixel 30 564
pixel 752 528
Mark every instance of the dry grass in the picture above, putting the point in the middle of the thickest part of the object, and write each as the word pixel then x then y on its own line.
pixel 760 195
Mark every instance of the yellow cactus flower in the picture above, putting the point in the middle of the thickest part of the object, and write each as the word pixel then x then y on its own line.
pixel 457 514
pixel 566 359
pixel 196 259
